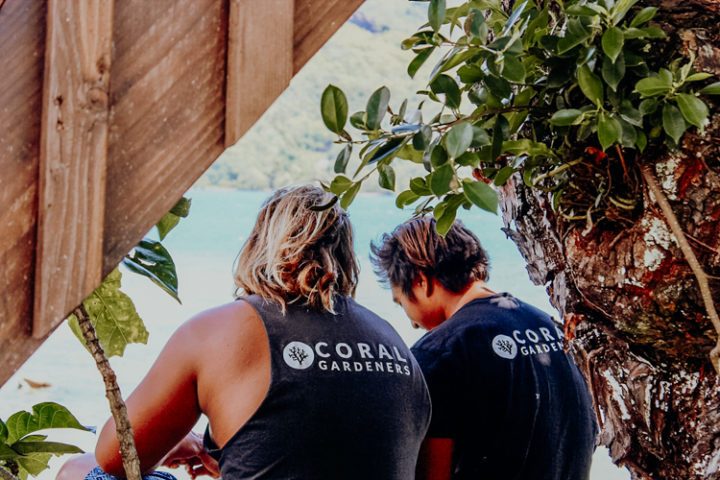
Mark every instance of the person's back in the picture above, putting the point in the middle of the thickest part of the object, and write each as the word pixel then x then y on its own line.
pixel 297 380
pixel 507 401
pixel 346 400
pixel 524 412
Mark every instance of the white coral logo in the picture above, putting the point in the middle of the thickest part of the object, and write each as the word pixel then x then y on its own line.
pixel 505 347
pixel 298 355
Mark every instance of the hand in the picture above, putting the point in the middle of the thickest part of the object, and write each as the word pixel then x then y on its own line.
pixel 191 453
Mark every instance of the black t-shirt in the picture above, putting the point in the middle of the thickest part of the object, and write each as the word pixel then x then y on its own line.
pixel 346 401
pixel 503 388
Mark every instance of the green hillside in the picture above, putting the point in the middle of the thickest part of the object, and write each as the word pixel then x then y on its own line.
pixel 290 144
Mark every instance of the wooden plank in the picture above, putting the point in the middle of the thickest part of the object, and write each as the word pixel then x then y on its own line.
pixel 315 22
pixel 167 120
pixel 260 60
pixel 73 154
pixel 22 46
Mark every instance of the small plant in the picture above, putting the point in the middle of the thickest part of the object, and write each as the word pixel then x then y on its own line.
pixel 23 452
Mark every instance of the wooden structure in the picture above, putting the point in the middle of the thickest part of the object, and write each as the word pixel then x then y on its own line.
pixel 109 111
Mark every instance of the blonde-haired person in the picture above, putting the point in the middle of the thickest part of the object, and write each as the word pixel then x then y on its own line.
pixel 297 380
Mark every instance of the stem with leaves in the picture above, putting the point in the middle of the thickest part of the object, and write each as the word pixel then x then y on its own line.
pixel 700 275
pixel 131 461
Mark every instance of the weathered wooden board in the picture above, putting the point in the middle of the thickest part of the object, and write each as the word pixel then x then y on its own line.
pixel 315 22
pixel 260 60
pixel 73 154
pixel 168 110
pixel 168 103
pixel 22 46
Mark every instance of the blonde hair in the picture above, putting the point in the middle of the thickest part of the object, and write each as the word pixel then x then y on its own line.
pixel 298 253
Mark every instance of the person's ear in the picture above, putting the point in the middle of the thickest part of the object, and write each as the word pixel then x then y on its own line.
pixel 426 283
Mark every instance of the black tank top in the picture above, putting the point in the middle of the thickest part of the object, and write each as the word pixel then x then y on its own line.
pixel 346 401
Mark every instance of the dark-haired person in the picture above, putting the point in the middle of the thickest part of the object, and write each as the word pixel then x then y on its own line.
pixel 507 401
pixel 298 381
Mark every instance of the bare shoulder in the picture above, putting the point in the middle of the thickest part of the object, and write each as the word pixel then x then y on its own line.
pixel 219 322
pixel 230 329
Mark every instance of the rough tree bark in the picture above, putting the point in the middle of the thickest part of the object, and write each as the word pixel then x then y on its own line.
pixel 629 300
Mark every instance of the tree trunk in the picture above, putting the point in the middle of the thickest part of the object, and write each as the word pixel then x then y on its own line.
pixel 633 314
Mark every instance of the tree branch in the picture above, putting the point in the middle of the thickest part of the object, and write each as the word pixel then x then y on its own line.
pixel 700 275
pixel 4 473
pixel 131 461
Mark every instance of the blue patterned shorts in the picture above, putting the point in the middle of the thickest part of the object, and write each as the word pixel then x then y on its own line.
pixel 98 474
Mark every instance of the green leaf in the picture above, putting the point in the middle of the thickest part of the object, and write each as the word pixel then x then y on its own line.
pixel 609 130
pixel 419 187
pixel 446 220
pixel 582 10
pixel 406 198
pixel 150 259
pixel 172 218
pixel 340 184
pixel 480 136
pixel 503 175
pixel 470 74
pixel 348 197
pixel 526 146
pixel 436 13
pixel 114 317
pixel 499 133
pixel 648 106
pixel 576 34
pixel 386 178
pixel 654 86
pixel 440 179
pixel 643 16
pixel 641 141
pixel 422 138
pixel 565 117
pixel 445 84
pixel 612 42
pixel 499 87
pixel 475 25
pixel 693 109
pixel 468 159
pixel 334 109
pixel 673 122
pixel 458 139
pixel 377 107
pixel 712 89
pixel 653 31
pixel 613 73
pixel 342 159
pixel 438 156
pixel 481 195
pixel 33 464
pixel 591 85
pixel 44 416
pixel 513 69
pixel 54 448
pixel 359 120
pixel 419 61
pixel 3 432
pixel 697 77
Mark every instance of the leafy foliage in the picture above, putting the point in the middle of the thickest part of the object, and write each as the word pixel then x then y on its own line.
pixel 114 317
pixel 23 452
pixel 560 93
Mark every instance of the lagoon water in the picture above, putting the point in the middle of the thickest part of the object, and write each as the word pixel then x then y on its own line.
pixel 204 247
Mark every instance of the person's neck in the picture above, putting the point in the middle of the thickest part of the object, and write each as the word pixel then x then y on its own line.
pixel 455 302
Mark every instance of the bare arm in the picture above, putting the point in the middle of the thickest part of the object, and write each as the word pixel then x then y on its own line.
pixel 435 459
pixel 162 409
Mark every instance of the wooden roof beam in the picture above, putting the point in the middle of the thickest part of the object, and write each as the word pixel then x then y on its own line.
pixel 73 157
pixel 260 60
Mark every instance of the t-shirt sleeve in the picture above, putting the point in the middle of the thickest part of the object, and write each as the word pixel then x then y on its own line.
pixel 442 375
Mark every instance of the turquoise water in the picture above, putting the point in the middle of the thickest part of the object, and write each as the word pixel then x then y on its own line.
pixel 204 247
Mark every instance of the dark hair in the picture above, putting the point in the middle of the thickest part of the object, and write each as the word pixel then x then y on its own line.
pixel 415 246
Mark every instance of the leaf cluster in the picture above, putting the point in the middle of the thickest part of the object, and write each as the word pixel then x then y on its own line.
pixel 23 452
pixel 560 93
